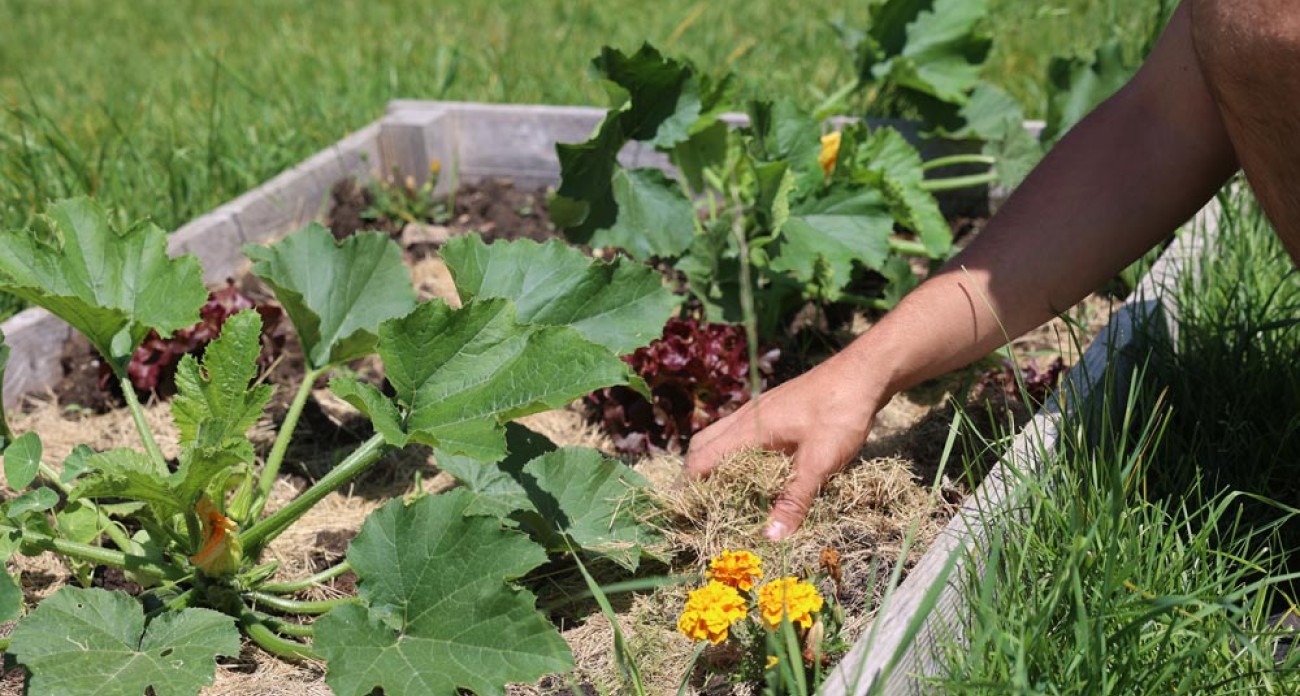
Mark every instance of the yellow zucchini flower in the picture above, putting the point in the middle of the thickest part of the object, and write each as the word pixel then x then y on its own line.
pixel 221 551
pixel 830 151
pixel 738 569
pixel 710 611
pixel 795 598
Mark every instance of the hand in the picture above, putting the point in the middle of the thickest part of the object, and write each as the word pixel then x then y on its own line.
pixel 821 418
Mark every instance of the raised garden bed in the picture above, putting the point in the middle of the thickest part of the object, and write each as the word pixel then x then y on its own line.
pixel 864 514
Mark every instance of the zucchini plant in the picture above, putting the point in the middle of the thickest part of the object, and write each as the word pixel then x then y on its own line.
pixel 764 218
pixel 437 609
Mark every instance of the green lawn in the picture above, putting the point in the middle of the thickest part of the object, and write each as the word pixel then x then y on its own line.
pixel 167 109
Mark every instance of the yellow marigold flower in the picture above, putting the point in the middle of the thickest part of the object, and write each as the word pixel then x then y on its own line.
pixel 795 598
pixel 710 611
pixel 222 550
pixel 739 569
pixel 830 151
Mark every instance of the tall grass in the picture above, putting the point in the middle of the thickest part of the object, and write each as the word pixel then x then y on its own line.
pixel 1153 551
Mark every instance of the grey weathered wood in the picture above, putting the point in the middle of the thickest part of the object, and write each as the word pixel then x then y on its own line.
pixel 867 667
pixel 215 239
pixel 412 141
pixel 285 203
pixel 358 154
pixel 35 338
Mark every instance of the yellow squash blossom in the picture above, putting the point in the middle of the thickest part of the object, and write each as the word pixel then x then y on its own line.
pixel 739 569
pixel 221 550
pixel 710 611
pixel 795 598
pixel 830 151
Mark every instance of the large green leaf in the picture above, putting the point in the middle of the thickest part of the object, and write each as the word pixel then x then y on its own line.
pixel 35 500
pixel 619 305
pixel 785 132
pixel 887 162
pixel 655 218
pixel 112 285
pixel 93 641
pixel 656 93
pixel 658 100
pixel 214 402
pixel 11 597
pixel 1078 85
pixel 6 435
pixel 336 294
pixel 128 474
pixel 826 236
pixel 495 486
pixel 598 503
pixel 22 460
pixel 439 614
pixel 933 47
pixel 461 374
pixel 944 52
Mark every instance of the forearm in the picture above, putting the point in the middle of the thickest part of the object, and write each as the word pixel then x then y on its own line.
pixel 1121 181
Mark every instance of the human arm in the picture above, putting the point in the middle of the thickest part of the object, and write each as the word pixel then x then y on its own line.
pixel 1118 183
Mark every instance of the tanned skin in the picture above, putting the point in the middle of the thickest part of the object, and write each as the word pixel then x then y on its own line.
pixel 1216 94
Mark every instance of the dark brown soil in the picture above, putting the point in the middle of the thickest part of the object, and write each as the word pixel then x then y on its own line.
pixel 13 680
pixel 331 545
pixel 494 208
pixel 497 210
pixel 80 385
pixel 114 579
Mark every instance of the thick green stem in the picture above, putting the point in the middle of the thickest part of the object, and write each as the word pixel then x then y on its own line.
pixel 294 606
pixel 271 642
pixel 137 415
pixel 875 303
pixel 299 585
pixel 831 104
pixel 286 628
pixel 97 554
pixel 954 160
pixel 362 458
pixel 282 439
pixel 958 182
pixel 907 247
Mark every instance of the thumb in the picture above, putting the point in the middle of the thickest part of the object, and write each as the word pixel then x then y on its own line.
pixel 811 469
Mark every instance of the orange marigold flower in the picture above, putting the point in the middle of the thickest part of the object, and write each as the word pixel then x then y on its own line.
pixel 795 598
pixel 830 151
pixel 222 550
pixel 739 569
pixel 710 611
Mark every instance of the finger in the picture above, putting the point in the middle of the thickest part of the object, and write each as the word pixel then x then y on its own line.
pixel 709 446
pixel 811 469
pixel 733 433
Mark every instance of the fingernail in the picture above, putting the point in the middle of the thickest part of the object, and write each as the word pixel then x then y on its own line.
pixel 775 531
